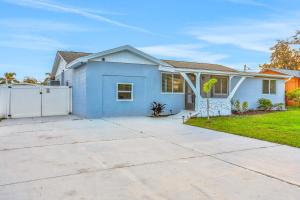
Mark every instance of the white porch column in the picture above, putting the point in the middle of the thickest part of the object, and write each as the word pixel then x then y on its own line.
pixel 236 87
pixel 187 79
pixel 198 92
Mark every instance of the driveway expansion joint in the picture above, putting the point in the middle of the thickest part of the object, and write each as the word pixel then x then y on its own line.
pixel 227 152
pixel 70 143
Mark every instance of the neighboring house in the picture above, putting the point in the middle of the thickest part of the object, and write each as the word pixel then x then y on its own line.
pixel 124 82
pixel 291 83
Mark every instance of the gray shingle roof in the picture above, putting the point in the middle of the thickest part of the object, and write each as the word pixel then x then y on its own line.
pixel 294 73
pixel 70 56
pixel 195 65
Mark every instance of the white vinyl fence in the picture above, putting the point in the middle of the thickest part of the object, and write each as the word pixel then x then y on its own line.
pixel 18 101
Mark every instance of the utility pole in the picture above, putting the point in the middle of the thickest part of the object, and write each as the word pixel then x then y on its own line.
pixel 246 68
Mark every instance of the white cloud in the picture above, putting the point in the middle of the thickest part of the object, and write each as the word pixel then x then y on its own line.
pixel 55 7
pixel 257 35
pixel 37 25
pixel 189 52
pixel 30 42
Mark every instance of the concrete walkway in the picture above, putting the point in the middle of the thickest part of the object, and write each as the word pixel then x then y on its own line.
pixel 140 158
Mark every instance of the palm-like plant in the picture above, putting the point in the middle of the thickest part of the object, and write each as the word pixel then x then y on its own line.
pixel 48 78
pixel 207 87
pixel 9 78
pixel 157 108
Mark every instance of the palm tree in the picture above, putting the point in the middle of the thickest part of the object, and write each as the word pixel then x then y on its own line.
pixel 48 78
pixel 207 87
pixel 9 78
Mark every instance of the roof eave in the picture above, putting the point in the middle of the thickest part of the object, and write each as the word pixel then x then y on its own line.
pixel 55 64
pixel 186 70
pixel 115 50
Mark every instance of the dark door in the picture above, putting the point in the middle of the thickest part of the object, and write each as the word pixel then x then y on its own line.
pixel 189 95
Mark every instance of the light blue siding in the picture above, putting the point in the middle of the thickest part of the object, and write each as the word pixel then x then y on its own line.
pixel 79 100
pixel 251 91
pixel 95 90
pixel 112 107
pixel 101 79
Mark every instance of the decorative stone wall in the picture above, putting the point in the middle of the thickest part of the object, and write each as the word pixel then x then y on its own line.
pixel 217 107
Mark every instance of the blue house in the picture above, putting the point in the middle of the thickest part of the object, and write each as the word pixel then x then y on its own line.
pixel 124 81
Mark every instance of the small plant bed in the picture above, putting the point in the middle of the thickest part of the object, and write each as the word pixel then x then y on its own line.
pixel 255 112
pixel 282 127
pixel 161 115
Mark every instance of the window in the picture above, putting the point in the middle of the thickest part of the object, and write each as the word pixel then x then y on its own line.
pixel 166 82
pixel 177 83
pixel 124 92
pixel 221 87
pixel 172 83
pixel 269 86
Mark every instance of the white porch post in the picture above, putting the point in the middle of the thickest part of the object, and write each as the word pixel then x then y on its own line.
pixel 187 79
pixel 198 93
pixel 236 87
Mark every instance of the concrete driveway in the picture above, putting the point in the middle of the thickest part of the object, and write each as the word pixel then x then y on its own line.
pixel 140 158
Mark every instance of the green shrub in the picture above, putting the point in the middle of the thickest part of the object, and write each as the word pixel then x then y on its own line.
pixel 245 106
pixel 264 104
pixel 157 108
pixel 237 106
pixel 278 106
pixel 294 95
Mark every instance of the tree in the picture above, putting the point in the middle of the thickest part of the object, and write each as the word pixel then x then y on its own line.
pixel 30 80
pixel 2 80
pixel 296 38
pixel 48 78
pixel 284 55
pixel 207 87
pixel 294 95
pixel 9 78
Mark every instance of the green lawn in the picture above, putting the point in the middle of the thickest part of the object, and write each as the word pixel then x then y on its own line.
pixel 280 127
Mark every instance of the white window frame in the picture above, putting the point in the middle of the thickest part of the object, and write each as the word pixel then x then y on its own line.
pixel 269 92
pixel 214 88
pixel 117 91
pixel 161 89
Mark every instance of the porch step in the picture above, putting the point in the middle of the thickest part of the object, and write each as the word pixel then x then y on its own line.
pixel 186 113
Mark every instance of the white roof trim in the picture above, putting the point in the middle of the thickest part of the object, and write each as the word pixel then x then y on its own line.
pixel 247 74
pixel 58 58
pixel 85 59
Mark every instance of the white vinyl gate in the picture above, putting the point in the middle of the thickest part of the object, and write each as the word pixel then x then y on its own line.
pixel 18 101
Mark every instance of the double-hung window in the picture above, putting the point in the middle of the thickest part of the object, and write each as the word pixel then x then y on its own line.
pixel 172 83
pixel 269 86
pixel 124 91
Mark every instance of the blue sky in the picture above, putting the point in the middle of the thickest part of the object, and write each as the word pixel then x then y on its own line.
pixel 229 32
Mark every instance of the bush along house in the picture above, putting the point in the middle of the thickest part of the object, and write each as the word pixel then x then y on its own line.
pixel 124 81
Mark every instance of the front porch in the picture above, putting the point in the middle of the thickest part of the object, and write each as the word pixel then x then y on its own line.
pixel 220 96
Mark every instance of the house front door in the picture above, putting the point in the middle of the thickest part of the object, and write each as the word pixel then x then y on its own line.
pixel 190 95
